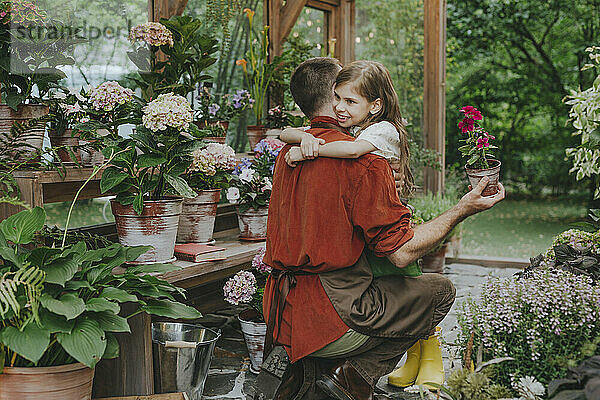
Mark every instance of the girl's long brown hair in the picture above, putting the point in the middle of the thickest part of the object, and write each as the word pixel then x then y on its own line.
pixel 372 81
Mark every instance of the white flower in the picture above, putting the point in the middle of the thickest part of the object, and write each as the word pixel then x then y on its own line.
pixel 246 175
pixel 167 110
pixel 529 388
pixel 233 194
pixel 267 185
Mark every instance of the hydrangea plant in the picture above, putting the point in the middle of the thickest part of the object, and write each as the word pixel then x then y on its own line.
pixel 149 165
pixel 211 167
pixel 243 287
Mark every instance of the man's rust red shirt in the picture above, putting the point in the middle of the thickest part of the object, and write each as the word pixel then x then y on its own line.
pixel 321 215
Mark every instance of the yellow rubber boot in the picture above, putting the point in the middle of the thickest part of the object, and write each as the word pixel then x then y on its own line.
pixel 406 375
pixel 431 368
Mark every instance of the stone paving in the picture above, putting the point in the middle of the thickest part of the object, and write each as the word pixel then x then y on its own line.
pixel 229 377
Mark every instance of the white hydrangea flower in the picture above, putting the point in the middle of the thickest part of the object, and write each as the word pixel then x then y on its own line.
pixel 167 110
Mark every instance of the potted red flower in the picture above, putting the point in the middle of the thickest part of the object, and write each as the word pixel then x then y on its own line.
pixel 476 150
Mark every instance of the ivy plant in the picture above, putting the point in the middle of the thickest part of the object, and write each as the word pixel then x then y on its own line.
pixel 63 305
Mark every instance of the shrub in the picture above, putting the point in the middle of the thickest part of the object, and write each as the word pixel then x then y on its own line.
pixel 546 322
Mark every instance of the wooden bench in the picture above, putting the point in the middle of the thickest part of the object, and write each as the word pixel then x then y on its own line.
pixel 167 396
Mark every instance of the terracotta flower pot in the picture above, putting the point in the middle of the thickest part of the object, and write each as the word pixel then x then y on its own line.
pixel 65 382
pixel 493 172
pixel 197 220
pixel 32 139
pixel 254 336
pixel 215 139
pixel 65 140
pixel 255 133
pixel 434 262
pixel 253 223
pixel 156 227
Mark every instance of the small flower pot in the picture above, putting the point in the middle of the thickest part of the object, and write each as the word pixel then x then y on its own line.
pixel 493 173
pixel 66 139
pixel 214 139
pixel 254 331
pixel 156 227
pixel 31 139
pixel 255 133
pixel 253 224
pixel 434 262
pixel 197 220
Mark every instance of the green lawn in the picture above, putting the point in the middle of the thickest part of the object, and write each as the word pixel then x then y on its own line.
pixel 519 228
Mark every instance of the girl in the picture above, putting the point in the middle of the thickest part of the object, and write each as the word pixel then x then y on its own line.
pixel 366 102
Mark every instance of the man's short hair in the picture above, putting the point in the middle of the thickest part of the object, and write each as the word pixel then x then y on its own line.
pixel 312 82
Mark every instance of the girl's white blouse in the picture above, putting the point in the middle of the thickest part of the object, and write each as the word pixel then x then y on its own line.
pixel 384 136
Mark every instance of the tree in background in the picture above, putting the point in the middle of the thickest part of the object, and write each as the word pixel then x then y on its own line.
pixel 514 61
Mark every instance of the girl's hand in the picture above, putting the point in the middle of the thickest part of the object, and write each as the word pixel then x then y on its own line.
pixel 293 156
pixel 310 146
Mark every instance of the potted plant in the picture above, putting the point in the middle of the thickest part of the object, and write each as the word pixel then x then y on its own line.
pixel 428 207
pixel 476 151
pixel 251 189
pixel 243 288
pixel 215 111
pixel 209 173
pixel 146 174
pixel 277 119
pixel 60 308
pixel 30 56
pixel 107 106
pixel 171 55
pixel 258 73
pixel 67 108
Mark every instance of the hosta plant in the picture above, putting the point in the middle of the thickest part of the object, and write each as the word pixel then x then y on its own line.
pixel 63 305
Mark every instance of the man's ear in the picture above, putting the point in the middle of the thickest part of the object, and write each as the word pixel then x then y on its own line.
pixel 375 106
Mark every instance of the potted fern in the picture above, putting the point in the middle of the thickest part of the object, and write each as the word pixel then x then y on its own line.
pixel 60 308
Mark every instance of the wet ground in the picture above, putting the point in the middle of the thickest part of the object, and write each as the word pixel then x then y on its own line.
pixel 229 377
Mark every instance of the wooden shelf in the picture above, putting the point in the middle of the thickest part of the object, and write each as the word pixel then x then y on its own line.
pixel 41 187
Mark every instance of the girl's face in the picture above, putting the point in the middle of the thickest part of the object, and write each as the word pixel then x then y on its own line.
pixel 350 107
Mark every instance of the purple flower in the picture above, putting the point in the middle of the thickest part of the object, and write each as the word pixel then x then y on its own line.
pixel 258 264
pixel 244 164
pixel 212 110
pixel 240 288
pixel 236 103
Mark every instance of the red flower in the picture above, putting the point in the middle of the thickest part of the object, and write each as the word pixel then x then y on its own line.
pixel 472 112
pixel 466 125
pixel 482 142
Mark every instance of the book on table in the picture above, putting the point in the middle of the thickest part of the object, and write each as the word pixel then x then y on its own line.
pixel 196 252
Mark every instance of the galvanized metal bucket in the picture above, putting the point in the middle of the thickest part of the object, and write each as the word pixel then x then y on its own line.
pixel 156 227
pixel 181 356
pixel 254 336
pixel 197 220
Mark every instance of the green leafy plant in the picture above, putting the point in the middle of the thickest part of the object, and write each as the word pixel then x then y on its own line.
pixel 31 52
pixel 63 305
pixel 177 61
pixel 429 206
pixel 585 116
pixel 258 71
pixel 476 149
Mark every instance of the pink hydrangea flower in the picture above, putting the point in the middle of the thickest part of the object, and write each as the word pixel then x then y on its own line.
pixel 153 33
pixel 108 95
